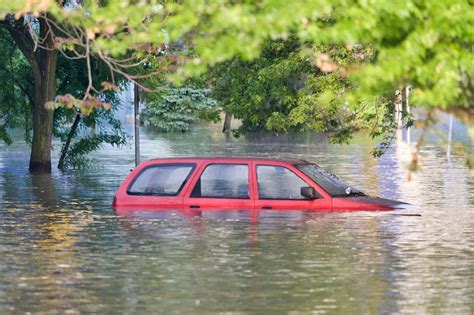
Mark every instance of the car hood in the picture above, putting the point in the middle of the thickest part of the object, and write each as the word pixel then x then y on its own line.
pixel 368 203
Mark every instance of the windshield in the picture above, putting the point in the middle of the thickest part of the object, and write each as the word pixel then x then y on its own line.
pixel 329 182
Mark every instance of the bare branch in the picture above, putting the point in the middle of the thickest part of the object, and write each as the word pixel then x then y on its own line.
pixel 89 71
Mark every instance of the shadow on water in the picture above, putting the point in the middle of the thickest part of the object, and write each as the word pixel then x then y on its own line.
pixel 63 249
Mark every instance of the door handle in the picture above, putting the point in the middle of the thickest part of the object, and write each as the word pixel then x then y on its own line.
pixel 194 207
pixel 266 207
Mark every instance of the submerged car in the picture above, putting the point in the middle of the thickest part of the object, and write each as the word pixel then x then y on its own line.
pixel 241 184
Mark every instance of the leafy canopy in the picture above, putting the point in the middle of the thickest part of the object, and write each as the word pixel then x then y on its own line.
pixel 286 89
pixel 424 43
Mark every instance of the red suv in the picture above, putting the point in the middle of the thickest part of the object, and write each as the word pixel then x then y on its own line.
pixel 241 184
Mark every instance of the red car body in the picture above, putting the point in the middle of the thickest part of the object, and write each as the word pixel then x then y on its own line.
pixel 201 182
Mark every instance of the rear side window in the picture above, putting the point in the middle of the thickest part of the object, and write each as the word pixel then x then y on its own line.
pixel 161 180
pixel 223 181
pixel 277 182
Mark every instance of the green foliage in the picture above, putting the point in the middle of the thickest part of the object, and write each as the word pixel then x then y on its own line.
pixel 254 91
pixel 16 103
pixel 15 89
pixel 76 157
pixel 176 108
pixel 424 43
pixel 350 55
pixel 4 135
pixel 285 90
pixel 96 129
pixel 470 162
pixel 277 122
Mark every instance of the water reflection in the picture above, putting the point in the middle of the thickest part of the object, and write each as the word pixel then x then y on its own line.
pixel 309 264
pixel 63 249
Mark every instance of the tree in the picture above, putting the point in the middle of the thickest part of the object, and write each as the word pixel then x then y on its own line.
pixel 43 62
pixel 423 43
pixel 40 32
pixel 253 90
pixel 279 91
pixel 285 89
pixel 176 108
pixel 87 132
pixel 72 79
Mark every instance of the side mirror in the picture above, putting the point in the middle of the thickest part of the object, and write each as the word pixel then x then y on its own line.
pixel 309 192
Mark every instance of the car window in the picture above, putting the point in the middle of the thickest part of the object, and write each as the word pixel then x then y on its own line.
pixel 277 182
pixel 223 181
pixel 327 181
pixel 161 180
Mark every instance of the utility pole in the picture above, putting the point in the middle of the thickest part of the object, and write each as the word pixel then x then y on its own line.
pixel 408 110
pixel 136 122
pixel 450 137
pixel 398 108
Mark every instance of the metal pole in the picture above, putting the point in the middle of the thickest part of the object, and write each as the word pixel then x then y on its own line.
pixel 407 100
pixel 398 108
pixel 136 122
pixel 450 137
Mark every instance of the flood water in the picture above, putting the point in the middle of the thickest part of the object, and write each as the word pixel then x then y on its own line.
pixel 64 250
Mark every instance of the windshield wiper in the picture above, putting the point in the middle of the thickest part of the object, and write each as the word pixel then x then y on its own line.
pixel 356 193
pixel 350 194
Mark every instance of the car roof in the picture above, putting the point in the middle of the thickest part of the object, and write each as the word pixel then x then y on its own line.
pixel 236 159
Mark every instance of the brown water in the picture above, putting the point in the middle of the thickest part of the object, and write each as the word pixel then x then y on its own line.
pixel 64 250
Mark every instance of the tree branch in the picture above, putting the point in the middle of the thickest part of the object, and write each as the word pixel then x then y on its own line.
pixel 25 43
pixel 22 39
pixel 16 80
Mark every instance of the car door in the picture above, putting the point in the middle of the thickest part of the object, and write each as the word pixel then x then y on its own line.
pixel 278 187
pixel 220 185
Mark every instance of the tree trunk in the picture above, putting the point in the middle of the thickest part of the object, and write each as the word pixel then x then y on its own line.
pixel 43 60
pixel 227 122
pixel 65 148
pixel 44 78
pixel 45 89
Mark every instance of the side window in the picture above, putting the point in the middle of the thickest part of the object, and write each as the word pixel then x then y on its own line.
pixel 277 182
pixel 161 180
pixel 223 181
